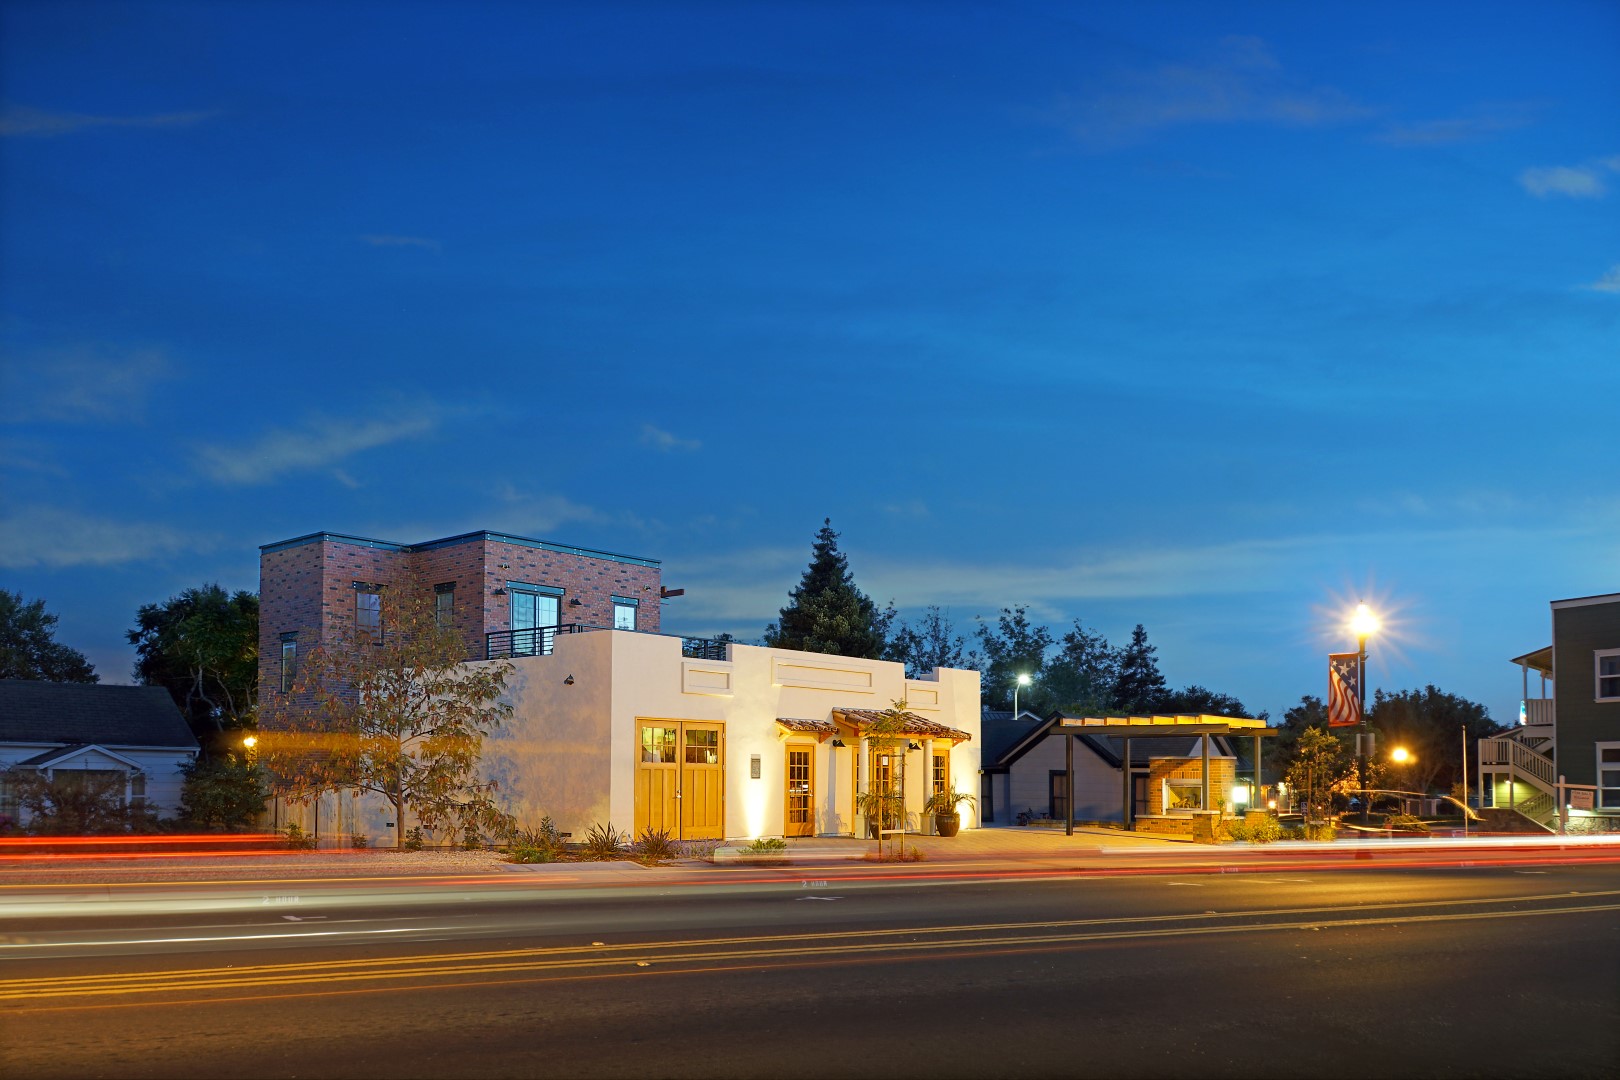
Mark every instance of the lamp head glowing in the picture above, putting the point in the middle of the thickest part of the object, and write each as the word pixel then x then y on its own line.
pixel 1400 755
pixel 250 741
pixel 1023 679
pixel 1364 622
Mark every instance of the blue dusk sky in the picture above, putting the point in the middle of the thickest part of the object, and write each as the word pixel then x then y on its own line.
pixel 1212 317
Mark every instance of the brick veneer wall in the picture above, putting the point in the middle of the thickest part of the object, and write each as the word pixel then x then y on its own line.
pixel 309 588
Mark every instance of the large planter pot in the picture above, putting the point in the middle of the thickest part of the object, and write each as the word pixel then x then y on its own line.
pixel 947 824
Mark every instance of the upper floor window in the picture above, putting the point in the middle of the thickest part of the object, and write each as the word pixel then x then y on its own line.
pixel 1608 674
pixel 289 662
pixel 368 611
pixel 624 613
pixel 1608 776
pixel 444 605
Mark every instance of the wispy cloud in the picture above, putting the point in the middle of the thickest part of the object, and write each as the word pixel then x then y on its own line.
pixel 83 383
pixel 1482 124
pixel 18 120
pixel 664 442
pixel 1609 283
pixel 51 537
pixel 320 444
pixel 1589 180
pixel 388 240
pixel 528 513
pixel 1241 83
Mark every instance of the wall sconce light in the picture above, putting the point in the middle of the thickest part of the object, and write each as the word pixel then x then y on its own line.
pixel 498 591
pixel 576 602
pixel 568 681
pixel 839 743
pixel 913 746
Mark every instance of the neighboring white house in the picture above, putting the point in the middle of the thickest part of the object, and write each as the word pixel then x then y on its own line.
pixel 620 727
pixel 89 728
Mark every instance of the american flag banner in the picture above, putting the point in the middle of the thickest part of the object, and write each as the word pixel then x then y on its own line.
pixel 1344 690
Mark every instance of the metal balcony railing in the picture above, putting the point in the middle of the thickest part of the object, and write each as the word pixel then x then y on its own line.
pixel 540 640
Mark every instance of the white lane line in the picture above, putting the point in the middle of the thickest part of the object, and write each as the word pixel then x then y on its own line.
pixel 228 937
pixel 1191 884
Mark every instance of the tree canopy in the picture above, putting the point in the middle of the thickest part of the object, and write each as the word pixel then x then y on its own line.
pixel 28 645
pixel 202 645
pixel 931 643
pixel 402 718
pixel 1015 647
pixel 827 612
pixel 1431 724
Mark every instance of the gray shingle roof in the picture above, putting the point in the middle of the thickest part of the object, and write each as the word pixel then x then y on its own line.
pixel 42 712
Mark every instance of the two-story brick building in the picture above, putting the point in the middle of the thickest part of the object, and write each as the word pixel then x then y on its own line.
pixel 505 595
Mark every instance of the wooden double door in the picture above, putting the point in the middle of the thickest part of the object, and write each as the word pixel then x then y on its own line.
pixel 681 778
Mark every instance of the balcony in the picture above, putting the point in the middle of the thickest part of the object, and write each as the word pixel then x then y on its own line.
pixel 539 641
pixel 1536 712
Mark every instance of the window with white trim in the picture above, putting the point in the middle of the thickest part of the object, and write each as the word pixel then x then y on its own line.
pixel 1608 775
pixel 1607 664
pixel 624 612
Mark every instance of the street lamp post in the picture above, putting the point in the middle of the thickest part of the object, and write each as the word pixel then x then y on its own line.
pixel 1365 624
pixel 1022 680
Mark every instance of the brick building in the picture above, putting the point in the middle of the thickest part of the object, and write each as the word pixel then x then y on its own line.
pixel 505 595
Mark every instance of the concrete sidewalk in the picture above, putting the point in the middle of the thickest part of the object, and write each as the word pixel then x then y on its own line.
pixel 972 845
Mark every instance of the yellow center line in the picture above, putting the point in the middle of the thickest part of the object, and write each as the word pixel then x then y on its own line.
pixel 93 986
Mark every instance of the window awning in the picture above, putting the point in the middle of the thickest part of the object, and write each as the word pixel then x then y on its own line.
pixel 858 722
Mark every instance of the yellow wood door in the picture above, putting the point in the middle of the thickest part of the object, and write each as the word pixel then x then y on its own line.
pixel 800 812
pixel 703 781
pixel 680 780
pixel 658 776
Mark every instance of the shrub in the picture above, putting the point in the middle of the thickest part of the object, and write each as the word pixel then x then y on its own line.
pixel 766 845
pixel 655 844
pixel 1406 823
pixel 297 839
pixel 359 840
pixel 1259 831
pixel 413 839
pixel 697 849
pixel 473 841
pixel 604 842
pixel 1324 830
pixel 223 793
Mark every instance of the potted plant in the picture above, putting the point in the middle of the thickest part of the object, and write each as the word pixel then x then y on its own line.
pixel 943 805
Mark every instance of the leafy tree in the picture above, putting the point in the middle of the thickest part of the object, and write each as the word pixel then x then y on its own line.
pixel 1199 701
pixel 1139 688
pixel 402 719
pixel 78 802
pixel 827 613
pixel 28 645
pixel 1309 713
pixel 1320 766
pixel 1015 647
pixel 931 643
pixel 203 646
pixel 223 793
pixel 1079 678
pixel 1430 724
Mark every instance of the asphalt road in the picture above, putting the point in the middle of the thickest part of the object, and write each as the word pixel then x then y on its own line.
pixel 1365 972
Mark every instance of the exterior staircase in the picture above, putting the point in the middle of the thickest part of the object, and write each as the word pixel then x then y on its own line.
pixel 1522 755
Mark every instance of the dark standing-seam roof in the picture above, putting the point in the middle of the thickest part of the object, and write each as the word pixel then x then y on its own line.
pixel 66 713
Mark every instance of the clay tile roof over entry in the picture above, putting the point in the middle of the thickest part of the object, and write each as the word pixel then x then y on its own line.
pixel 860 720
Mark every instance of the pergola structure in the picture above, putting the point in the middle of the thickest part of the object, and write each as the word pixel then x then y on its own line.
pixel 1127 728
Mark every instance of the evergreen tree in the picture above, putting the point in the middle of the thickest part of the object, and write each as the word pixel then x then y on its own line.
pixel 1016 647
pixel 1139 688
pixel 1079 678
pixel 827 613
pixel 28 645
